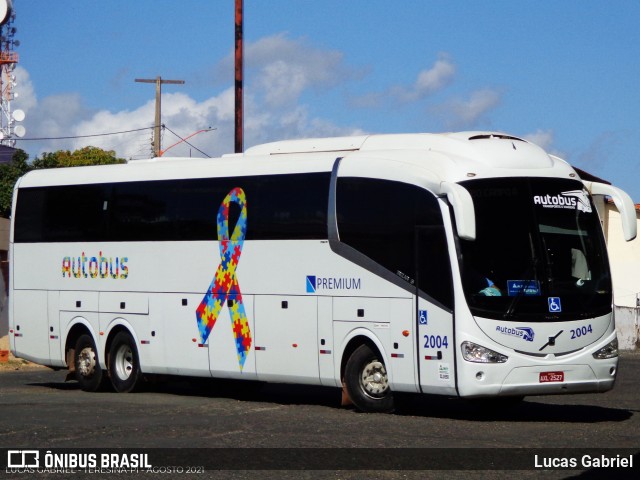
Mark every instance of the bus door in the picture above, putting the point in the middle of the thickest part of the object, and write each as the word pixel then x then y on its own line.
pixel 30 325
pixel 434 311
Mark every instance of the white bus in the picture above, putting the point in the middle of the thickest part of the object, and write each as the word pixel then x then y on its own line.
pixel 465 264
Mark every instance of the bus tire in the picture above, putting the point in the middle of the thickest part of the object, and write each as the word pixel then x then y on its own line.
pixel 86 364
pixel 124 364
pixel 367 382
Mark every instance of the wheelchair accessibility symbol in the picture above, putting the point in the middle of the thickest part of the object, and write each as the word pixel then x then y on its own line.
pixel 554 304
pixel 422 317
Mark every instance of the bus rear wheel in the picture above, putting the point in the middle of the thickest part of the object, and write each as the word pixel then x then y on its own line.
pixel 86 364
pixel 367 382
pixel 124 364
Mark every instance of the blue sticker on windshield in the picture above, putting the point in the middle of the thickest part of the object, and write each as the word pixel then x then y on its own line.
pixel 523 287
pixel 554 304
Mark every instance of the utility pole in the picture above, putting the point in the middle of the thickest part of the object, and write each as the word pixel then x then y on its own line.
pixel 156 131
pixel 239 127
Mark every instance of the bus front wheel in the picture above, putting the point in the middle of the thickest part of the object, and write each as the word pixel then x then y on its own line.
pixel 86 364
pixel 367 382
pixel 124 366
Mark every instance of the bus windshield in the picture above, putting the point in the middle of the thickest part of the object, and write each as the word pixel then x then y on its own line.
pixel 539 253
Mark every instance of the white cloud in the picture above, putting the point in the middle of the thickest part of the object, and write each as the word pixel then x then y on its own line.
pixel 53 116
pixel 27 98
pixel 66 116
pixel 468 113
pixel 429 81
pixel 130 145
pixel 284 70
pixel 542 138
pixel 180 113
pixel 368 100
pixel 599 152
pixel 280 69
pixel 280 72
pixel 545 139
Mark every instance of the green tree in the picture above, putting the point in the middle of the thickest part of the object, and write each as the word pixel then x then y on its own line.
pixel 9 173
pixel 78 158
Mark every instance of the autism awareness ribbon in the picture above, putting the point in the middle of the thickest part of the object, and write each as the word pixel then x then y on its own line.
pixel 224 286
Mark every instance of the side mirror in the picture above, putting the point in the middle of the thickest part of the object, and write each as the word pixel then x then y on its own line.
pixel 623 203
pixel 462 203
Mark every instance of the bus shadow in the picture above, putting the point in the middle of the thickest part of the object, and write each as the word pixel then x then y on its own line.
pixel 529 410
pixel 65 386
pixel 276 393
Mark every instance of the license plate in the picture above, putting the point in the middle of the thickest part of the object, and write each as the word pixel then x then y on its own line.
pixel 551 377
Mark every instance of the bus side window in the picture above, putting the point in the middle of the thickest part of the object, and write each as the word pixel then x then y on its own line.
pixel 376 217
pixel 379 219
pixel 433 264
pixel 72 213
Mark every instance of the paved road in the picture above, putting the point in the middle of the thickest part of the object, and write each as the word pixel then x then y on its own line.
pixel 39 410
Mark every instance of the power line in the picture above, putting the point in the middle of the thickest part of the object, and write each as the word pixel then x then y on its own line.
pixel 138 141
pixel 185 141
pixel 117 133
pixel 85 136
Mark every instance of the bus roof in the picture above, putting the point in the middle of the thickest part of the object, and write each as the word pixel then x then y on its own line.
pixel 450 157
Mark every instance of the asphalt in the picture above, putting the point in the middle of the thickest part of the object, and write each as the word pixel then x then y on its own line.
pixel 39 410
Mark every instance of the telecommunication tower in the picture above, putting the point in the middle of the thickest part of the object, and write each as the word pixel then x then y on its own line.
pixel 10 126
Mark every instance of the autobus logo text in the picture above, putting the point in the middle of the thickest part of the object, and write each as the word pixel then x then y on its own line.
pixel 99 266
pixel 315 283
pixel 526 333
pixel 572 199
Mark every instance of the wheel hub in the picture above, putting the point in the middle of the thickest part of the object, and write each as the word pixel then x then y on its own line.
pixel 124 362
pixel 86 362
pixel 374 379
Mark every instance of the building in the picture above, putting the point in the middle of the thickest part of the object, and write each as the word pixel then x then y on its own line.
pixel 624 258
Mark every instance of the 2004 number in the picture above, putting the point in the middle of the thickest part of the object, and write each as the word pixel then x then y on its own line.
pixel 436 341
pixel 581 332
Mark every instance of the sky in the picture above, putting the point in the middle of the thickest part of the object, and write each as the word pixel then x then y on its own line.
pixel 565 75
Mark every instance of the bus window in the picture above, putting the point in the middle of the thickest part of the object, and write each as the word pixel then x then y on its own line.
pixel 380 218
pixel 292 206
pixel 537 238
pixel 434 265
pixel 61 214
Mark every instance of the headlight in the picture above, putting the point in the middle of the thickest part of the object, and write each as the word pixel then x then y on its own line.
pixel 608 351
pixel 473 352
